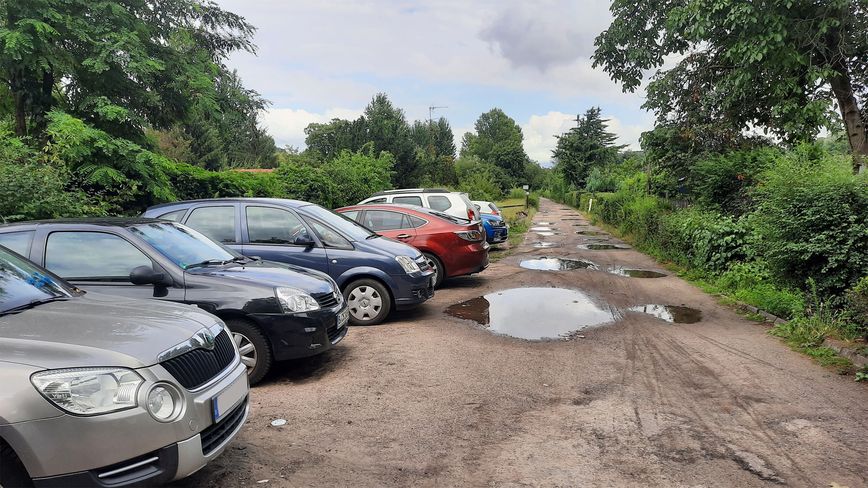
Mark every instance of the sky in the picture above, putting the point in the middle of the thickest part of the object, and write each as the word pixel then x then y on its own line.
pixel 324 59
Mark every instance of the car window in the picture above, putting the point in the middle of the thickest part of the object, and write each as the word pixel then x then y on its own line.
pixel 379 220
pixel 174 216
pixel 411 200
pixel 24 283
pixel 341 223
pixel 353 214
pixel 92 255
pixel 218 223
pixel 268 225
pixel 328 236
pixel 181 244
pixel 376 200
pixel 439 202
pixel 18 241
pixel 416 221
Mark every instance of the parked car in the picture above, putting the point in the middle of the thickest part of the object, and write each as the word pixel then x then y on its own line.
pixel 275 311
pixel 496 229
pixel 450 202
pixel 106 391
pixel 376 275
pixel 452 245
pixel 487 208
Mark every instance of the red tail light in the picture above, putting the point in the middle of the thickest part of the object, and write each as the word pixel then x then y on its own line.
pixel 469 213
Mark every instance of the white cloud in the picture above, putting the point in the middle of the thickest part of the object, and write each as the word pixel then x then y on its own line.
pixel 287 125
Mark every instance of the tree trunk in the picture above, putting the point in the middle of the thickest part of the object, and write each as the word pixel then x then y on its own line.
pixel 20 114
pixel 842 87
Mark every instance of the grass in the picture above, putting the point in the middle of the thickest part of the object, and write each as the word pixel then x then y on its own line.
pixel 519 220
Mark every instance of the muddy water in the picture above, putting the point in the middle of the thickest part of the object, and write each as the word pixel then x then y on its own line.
pixel 671 313
pixel 556 264
pixel 635 273
pixel 601 247
pixel 544 245
pixel 590 233
pixel 534 313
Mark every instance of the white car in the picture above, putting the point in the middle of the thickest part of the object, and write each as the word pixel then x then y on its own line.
pixel 487 207
pixel 449 202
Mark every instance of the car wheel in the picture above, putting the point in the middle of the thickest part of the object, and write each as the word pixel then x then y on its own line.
pixel 437 266
pixel 253 347
pixel 12 472
pixel 368 301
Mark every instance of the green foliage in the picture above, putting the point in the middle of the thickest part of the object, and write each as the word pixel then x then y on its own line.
pixel 601 180
pixel 857 305
pixel 811 220
pixel 723 182
pixel 706 240
pixel 497 141
pixel 584 147
pixel 753 283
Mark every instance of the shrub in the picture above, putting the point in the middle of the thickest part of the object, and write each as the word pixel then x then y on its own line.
pixel 752 283
pixel 41 191
pixel 706 240
pixel 857 305
pixel 723 182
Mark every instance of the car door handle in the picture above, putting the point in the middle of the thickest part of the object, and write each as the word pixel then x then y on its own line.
pixel 403 236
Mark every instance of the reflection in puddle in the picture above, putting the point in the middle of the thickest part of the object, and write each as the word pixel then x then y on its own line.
pixel 635 273
pixel 545 245
pixel 534 313
pixel 670 313
pixel 547 234
pixel 541 228
pixel 542 223
pixel 601 247
pixel 556 264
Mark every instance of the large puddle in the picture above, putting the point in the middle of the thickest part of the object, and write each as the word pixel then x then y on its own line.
pixel 635 273
pixel 534 313
pixel 676 314
pixel 541 228
pixel 556 264
pixel 601 247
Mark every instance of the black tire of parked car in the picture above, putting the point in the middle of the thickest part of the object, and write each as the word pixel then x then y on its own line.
pixel 381 291
pixel 439 270
pixel 12 472
pixel 261 348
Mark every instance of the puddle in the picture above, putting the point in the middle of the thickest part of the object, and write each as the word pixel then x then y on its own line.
pixel 541 229
pixel 547 234
pixel 590 233
pixel 601 247
pixel 572 218
pixel 545 245
pixel 635 273
pixel 556 264
pixel 534 313
pixel 542 223
pixel 670 313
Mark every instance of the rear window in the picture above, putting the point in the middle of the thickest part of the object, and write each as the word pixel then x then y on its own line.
pixel 218 223
pixel 174 216
pixel 410 200
pixel 438 202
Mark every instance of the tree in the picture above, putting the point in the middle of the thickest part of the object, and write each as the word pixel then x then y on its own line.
pixel 120 65
pixel 387 130
pixel 584 147
pixel 326 141
pixel 498 140
pixel 777 64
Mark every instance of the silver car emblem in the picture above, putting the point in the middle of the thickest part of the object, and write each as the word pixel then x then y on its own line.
pixel 204 339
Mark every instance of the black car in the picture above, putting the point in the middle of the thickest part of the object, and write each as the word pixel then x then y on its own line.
pixel 275 311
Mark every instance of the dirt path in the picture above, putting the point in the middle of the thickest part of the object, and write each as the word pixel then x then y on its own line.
pixel 431 400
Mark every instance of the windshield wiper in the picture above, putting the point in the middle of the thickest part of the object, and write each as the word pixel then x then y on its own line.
pixel 208 262
pixel 34 303
pixel 373 236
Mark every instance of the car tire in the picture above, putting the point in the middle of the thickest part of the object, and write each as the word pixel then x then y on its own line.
pixel 439 270
pixel 254 349
pixel 12 471
pixel 368 301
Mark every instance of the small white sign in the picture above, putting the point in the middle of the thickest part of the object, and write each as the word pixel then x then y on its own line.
pixel 525 187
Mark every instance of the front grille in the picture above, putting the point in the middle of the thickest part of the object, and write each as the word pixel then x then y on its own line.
pixel 334 333
pixel 197 367
pixel 498 223
pixel 326 300
pixel 215 434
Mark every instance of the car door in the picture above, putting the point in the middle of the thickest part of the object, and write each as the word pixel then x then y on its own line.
pixel 276 234
pixel 101 261
pixel 390 224
pixel 218 221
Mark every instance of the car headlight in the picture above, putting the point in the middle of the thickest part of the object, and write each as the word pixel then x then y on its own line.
pixel 408 264
pixel 89 391
pixel 295 300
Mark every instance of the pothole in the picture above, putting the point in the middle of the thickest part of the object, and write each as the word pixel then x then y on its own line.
pixel 601 247
pixel 542 223
pixel 547 234
pixel 635 273
pixel 534 313
pixel 541 228
pixel 556 264
pixel 676 314
pixel 590 233
pixel 544 245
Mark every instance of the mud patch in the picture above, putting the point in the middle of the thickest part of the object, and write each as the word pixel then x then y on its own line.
pixel 752 463
pixel 635 273
pixel 601 247
pixel 544 245
pixel 556 264
pixel 534 313
pixel 675 314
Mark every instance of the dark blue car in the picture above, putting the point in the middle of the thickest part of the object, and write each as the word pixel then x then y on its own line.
pixel 376 274
pixel 496 230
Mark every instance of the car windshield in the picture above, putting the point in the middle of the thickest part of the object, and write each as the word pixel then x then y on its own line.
pixel 450 218
pixel 24 284
pixel 349 227
pixel 183 245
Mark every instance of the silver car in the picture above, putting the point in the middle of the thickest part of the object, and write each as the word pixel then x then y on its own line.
pixel 99 390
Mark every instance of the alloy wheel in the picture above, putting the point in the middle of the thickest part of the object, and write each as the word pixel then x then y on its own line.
pixel 246 349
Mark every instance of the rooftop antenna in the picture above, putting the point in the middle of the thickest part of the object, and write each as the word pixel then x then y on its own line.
pixel 431 110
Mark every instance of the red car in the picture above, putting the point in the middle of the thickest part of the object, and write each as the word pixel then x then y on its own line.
pixel 453 245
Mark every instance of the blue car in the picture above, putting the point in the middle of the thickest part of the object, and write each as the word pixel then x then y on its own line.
pixel 376 274
pixel 496 229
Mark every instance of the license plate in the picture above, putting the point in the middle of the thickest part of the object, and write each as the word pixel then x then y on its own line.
pixel 227 399
pixel 343 317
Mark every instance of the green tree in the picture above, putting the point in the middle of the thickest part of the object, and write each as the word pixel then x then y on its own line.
pixel 498 141
pixel 584 147
pixel 777 64
pixel 120 65
pixel 387 129
pixel 326 141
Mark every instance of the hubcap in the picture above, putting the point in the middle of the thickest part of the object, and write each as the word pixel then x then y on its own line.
pixel 364 303
pixel 246 349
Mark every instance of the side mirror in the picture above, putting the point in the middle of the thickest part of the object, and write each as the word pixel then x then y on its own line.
pixel 303 240
pixel 145 275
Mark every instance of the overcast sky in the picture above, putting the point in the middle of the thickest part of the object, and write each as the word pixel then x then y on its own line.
pixel 323 59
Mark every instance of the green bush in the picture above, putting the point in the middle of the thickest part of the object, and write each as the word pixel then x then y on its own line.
pixel 811 221
pixel 723 182
pixel 857 306
pixel 705 240
pixel 41 191
pixel 752 283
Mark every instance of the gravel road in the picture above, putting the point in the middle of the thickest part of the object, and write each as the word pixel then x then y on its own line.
pixel 428 399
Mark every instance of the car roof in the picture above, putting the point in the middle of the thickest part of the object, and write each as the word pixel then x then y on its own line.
pixel 100 221
pixel 388 206
pixel 286 202
pixel 412 190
